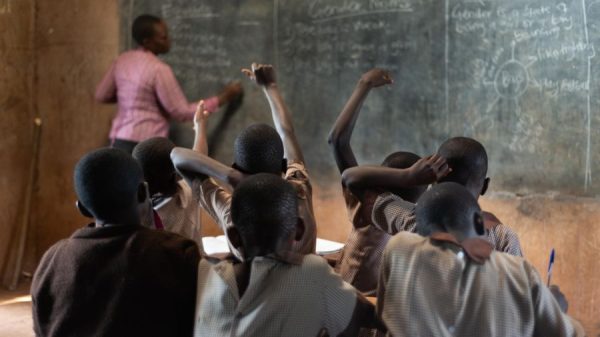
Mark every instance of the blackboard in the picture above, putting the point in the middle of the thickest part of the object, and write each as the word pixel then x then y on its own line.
pixel 519 76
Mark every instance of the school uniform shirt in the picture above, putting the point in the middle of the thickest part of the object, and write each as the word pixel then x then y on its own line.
pixel 392 214
pixel 361 257
pixel 147 94
pixel 297 296
pixel 116 281
pixel 432 288
pixel 217 202
pixel 180 214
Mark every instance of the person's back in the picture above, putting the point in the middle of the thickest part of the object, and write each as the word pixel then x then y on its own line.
pixel 284 298
pixel 133 95
pixel 115 277
pixel 116 281
pixel 274 291
pixel 452 283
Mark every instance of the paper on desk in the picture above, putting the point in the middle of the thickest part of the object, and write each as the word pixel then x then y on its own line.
pixel 218 245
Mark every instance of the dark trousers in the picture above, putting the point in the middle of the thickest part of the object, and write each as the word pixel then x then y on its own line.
pixel 121 144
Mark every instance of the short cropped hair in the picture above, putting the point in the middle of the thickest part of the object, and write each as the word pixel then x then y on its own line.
pixel 403 160
pixel 447 205
pixel 143 27
pixel 258 148
pixel 106 182
pixel 264 210
pixel 154 156
pixel 466 157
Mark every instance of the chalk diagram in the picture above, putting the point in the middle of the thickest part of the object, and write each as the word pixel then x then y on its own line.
pixel 511 80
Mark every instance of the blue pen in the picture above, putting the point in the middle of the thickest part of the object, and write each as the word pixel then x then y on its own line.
pixel 550 265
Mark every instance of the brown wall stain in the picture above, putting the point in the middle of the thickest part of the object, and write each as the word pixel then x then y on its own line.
pixel 76 42
pixel 16 127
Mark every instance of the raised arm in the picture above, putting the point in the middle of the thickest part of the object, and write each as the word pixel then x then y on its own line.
pixel 193 165
pixel 264 75
pixel 200 125
pixel 339 137
pixel 425 171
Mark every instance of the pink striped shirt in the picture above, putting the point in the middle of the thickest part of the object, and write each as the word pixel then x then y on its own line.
pixel 147 94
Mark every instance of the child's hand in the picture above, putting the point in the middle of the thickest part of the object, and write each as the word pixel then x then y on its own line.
pixel 201 114
pixel 430 169
pixel 262 74
pixel 376 77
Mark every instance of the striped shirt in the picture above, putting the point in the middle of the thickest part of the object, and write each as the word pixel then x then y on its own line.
pixel 432 288
pixel 147 94
pixel 281 299
pixel 392 214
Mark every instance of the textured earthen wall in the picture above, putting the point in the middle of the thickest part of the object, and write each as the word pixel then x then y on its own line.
pixel 76 42
pixel 16 111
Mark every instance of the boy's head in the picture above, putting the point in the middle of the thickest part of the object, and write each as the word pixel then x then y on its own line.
pixel 264 212
pixel 110 186
pixel 449 207
pixel 151 33
pixel 259 149
pixel 403 160
pixel 154 156
pixel 469 163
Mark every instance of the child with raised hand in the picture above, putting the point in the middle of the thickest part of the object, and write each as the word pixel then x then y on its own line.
pixel 274 291
pixel 453 283
pixel 462 160
pixel 171 197
pixel 257 149
pixel 361 257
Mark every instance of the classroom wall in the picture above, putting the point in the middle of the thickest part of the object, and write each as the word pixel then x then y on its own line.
pixel 75 42
pixel 16 109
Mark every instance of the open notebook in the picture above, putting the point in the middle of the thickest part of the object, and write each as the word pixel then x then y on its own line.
pixel 218 245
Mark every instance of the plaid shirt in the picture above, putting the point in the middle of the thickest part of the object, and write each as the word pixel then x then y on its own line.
pixel 392 214
pixel 147 94
pixel 216 200
pixel 432 288
pixel 283 298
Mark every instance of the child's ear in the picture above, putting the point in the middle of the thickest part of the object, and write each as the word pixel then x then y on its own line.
pixel 234 237
pixel 486 184
pixel 478 223
pixel 284 165
pixel 300 228
pixel 142 193
pixel 84 211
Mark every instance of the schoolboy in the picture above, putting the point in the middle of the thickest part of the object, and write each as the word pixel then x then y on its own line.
pixel 361 257
pixel 274 291
pixel 258 149
pixel 452 282
pixel 462 160
pixel 171 196
pixel 115 277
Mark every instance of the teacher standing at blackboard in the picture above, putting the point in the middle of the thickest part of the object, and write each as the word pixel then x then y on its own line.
pixel 145 88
